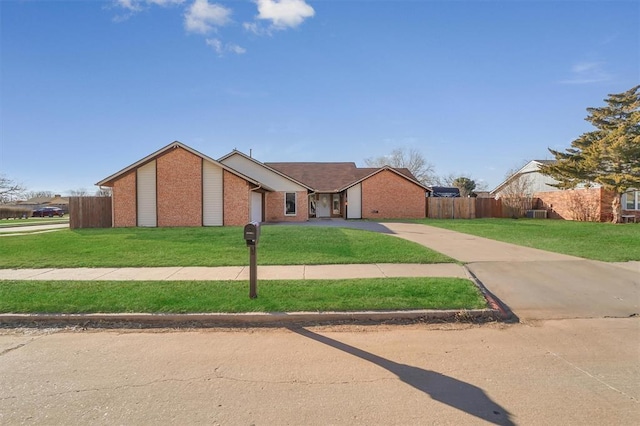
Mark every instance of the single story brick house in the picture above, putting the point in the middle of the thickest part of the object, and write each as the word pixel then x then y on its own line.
pixel 586 203
pixel 179 186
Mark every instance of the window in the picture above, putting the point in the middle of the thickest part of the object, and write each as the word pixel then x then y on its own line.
pixel 290 204
pixel 336 203
pixel 631 200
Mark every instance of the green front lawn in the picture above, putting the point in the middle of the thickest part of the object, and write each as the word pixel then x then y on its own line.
pixel 220 246
pixel 233 296
pixel 599 241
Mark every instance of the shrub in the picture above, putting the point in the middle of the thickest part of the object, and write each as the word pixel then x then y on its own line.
pixel 14 212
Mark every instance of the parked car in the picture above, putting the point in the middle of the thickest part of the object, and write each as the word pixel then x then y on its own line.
pixel 48 211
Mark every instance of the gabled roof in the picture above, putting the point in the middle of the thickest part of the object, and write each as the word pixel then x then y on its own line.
pixel 173 145
pixel 335 177
pixel 37 200
pixel 322 177
pixel 266 166
pixel 532 166
pixel 402 172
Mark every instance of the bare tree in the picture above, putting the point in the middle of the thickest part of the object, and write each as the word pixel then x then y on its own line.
pixel 517 195
pixel 410 159
pixel 10 190
pixel 38 194
pixel 104 191
pixel 80 192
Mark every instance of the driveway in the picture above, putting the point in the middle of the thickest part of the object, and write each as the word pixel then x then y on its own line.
pixel 537 284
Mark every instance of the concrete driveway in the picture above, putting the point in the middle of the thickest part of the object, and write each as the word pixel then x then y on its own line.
pixel 537 284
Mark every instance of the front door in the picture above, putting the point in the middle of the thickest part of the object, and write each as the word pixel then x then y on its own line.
pixel 323 205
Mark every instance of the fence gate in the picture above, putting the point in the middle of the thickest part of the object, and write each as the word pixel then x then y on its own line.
pixel 90 212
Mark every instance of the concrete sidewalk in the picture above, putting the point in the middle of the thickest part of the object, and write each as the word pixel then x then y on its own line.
pixel 226 273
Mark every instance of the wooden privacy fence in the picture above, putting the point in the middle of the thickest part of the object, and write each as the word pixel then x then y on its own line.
pixel 463 208
pixel 89 212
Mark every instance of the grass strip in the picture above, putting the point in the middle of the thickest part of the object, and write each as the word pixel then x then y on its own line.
pixel 219 246
pixel 233 296
pixel 591 240
pixel 12 223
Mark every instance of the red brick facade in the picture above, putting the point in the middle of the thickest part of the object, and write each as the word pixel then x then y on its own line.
pixel 179 194
pixel 179 188
pixel 275 208
pixel 124 201
pixel 580 204
pixel 386 195
pixel 237 199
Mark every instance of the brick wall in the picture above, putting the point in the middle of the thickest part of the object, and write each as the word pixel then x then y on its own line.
pixel 577 204
pixel 124 201
pixel 179 188
pixel 237 200
pixel 274 207
pixel 386 195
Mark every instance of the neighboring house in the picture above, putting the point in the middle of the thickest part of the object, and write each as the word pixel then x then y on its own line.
pixel 178 186
pixel 586 202
pixel 528 178
pixel 445 191
pixel 37 202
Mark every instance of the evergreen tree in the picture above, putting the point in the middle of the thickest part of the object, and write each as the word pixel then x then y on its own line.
pixel 609 155
pixel 465 185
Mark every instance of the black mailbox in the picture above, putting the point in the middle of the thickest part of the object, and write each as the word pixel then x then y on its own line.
pixel 252 233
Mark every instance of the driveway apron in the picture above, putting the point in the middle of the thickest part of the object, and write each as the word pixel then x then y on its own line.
pixel 536 284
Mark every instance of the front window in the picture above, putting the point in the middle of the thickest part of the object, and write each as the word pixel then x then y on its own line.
pixel 290 204
pixel 336 204
pixel 631 200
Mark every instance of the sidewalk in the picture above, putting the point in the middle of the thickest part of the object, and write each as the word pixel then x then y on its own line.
pixel 226 273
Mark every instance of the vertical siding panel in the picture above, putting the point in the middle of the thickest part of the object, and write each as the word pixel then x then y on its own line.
pixel 354 200
pixel 212 195
pixel 146 193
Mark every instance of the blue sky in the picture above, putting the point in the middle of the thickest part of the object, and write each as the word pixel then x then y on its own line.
pixel 478 87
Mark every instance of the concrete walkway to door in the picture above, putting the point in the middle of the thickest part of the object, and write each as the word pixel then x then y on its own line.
pixel 536 284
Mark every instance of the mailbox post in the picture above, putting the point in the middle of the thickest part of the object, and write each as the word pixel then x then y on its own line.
pixel 252 236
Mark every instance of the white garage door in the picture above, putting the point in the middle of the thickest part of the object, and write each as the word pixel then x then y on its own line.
pixel 146 186
pixel 211 195
pixel 256 207
pixel 354 202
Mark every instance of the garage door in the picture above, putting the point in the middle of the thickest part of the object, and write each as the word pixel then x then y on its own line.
pixel 211 195
pixel 256 207
pixel 146 188
pixel 354 202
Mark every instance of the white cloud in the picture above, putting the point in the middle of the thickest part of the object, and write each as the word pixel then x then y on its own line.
pixel 131 7
pixel 284 13
pixel 587 73
pixel 221 48
pixel 138 5
pixel 202 16
pixel 256 28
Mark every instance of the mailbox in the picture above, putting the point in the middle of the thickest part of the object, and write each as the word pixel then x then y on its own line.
pixel 252 233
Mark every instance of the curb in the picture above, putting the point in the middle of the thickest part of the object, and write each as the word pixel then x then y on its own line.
pixel 494 303
pixel 203 320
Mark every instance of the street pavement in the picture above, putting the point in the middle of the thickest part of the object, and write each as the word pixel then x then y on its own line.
pixel 562 372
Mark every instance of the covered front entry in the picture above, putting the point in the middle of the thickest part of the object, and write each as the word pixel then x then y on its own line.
pixel 325 205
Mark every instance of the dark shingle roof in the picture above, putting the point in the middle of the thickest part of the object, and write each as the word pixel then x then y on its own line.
pixel 328 177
